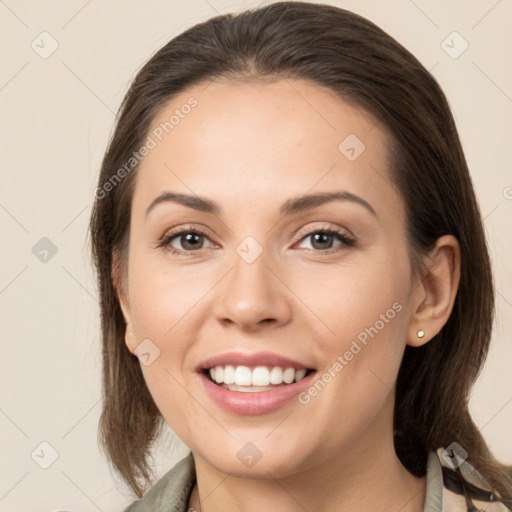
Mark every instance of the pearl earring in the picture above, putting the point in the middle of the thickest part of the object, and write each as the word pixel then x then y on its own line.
pixel 421 334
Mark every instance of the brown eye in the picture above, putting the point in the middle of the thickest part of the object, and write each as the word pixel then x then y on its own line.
pixel 322 240
pixel 184 241
pixel 191 241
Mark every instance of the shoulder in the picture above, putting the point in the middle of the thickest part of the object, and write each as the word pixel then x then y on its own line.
pixel 453 483
pixel 171 492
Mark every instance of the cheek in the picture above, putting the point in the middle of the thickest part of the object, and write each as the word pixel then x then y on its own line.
pixel 364 344
pixel 353 299
pixel 165 304
pixel 178 406
pixel 162 299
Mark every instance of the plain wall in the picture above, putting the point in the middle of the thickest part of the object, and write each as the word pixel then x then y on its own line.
pixel 57 115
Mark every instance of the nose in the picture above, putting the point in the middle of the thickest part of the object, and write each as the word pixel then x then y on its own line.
pixel 253 296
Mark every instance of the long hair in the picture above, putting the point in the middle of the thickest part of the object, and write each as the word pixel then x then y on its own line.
pixel 364 67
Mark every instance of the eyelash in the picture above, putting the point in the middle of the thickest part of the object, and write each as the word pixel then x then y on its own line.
pixel 346 240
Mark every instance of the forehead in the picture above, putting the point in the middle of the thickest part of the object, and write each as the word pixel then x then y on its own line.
pixel 254 140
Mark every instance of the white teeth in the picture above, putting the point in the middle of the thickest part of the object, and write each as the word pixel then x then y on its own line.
pixel 276 375
pixel 243 375
pixel 260 378
pixel 229 374
pixel 289 375
pixel 299 374
pixel 219 374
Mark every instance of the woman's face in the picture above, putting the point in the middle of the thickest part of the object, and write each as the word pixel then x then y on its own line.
pixel 256 288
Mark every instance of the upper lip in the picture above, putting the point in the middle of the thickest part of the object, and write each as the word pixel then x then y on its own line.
pixel 252 360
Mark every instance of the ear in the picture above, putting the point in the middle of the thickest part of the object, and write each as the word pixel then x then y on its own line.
pixel 434 291
pixel 120 282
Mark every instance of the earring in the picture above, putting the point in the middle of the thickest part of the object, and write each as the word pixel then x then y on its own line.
pixel 421 334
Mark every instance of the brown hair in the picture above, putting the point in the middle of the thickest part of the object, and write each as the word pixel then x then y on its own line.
pixel 367 68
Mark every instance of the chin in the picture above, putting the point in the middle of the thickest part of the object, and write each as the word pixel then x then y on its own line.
pixel 261 460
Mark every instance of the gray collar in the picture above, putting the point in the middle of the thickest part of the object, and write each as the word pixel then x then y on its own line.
pixel 172 492
pixel 434 490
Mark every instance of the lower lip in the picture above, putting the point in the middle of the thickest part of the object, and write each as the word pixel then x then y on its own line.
pixel 252 404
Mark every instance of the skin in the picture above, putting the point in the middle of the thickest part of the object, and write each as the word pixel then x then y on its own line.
pixel 249 146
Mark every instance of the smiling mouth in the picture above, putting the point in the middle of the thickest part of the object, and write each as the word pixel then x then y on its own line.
pixel 255 379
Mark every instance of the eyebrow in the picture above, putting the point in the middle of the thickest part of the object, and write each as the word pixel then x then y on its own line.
pixel 289 207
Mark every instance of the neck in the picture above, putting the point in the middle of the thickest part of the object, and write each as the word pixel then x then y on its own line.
pixel 367 477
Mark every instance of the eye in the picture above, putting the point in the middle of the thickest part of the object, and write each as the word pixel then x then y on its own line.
pixel 324 239
pixel 186 240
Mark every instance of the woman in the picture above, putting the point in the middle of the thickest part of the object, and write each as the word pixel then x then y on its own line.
pixel 293 274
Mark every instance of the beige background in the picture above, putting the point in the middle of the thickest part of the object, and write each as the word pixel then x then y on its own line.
pixel 57 114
